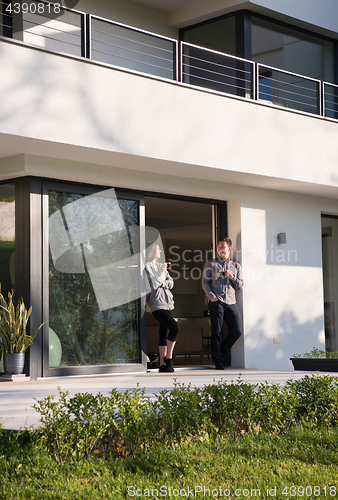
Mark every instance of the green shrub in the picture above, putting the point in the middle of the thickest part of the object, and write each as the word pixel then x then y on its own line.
pixel 317 400
pixel 179 413
pixel 72 427
pixel 276 410
pixel 318 354
pixel 129 430
pixel 123 424
pixel 231 407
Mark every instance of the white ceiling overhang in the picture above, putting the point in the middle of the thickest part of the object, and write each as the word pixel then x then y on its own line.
pixel 14 148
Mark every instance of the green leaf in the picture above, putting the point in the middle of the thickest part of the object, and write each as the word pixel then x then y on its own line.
pixel 13 326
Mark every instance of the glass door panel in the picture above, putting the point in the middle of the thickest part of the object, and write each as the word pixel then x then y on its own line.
pixel 93 310
pixel 7 238
pixel 330 280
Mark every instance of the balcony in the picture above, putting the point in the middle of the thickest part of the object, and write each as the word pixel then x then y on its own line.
pixel 62 30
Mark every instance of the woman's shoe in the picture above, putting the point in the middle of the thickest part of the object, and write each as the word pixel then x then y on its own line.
pixel 169 364
pixel 163 369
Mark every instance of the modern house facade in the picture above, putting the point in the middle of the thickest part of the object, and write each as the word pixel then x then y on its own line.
pixel 198 118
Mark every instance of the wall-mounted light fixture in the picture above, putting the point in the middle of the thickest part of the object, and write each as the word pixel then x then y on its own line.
pixel 281 238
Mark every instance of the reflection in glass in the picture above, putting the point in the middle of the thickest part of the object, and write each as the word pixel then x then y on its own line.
pixel 210 69
pixel 292 50
pixel 7 238
pixel 88 334
pixel 217 34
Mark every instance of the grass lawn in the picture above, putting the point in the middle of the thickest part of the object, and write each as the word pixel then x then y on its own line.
pixel 300 464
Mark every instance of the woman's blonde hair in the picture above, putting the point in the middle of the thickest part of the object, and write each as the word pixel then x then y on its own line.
pixel 151 251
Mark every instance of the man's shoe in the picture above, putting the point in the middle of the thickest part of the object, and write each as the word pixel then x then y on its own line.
pixel 226 356
pixel 218 363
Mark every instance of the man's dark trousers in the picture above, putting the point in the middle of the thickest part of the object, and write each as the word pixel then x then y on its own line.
pixel 220 312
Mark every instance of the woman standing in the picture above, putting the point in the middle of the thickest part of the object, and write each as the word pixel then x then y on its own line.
pixel 161 304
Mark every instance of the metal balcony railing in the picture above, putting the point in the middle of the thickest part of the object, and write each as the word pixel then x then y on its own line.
pixel 59 29
pixel 44 24
pixel 120 45
pixel 289 90
pixel 217 71
pixel 330 101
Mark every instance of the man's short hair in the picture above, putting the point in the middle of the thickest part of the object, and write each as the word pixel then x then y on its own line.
pixel 227 241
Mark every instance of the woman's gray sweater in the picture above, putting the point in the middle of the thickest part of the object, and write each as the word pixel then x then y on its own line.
pixel 159 285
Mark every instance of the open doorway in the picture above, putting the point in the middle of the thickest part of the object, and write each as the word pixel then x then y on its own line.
pixel 187 233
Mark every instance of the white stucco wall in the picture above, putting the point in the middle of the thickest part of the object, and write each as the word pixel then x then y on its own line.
pixel 283 292
pixel 130 131
pixel 283 295
pixel 70 102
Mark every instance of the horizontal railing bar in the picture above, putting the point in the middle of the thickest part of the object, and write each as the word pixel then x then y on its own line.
pixel 333 109
pixel 217 52
pixel 219 74
pixel 23 20
pixel 132 60
pixel 54 40
pixel 131 40
pixel 287 83
pixel 132 28
pixel 215 81
pixel 48 27
pixel 259 65
pixel 329 93
pixel 334 102
pixel 45 36
pixel 61 6
pixel 78 35
pixel 331 84
pixel 130 50
pixel 216 64
pixel 287 91
pixel 45 16
pixel 289 100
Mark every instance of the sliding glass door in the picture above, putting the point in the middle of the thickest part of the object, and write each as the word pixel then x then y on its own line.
pixel 94 308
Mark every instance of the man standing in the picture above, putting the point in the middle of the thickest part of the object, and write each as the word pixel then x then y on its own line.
pixel 221 278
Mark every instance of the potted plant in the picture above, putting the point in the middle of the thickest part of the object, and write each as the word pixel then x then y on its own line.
pixel 14 339
pixel 316 360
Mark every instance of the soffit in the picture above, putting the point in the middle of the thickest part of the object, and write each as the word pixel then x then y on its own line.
pixel 182 13
pixel 168 5
pixel 86 162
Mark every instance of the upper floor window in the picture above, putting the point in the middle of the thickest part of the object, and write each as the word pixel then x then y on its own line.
pixel 268 42
pixel 292 50
pixel 219 34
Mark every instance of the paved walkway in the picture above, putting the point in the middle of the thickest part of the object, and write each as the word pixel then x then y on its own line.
pixel 17 398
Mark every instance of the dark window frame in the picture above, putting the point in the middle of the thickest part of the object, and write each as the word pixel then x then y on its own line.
pixel 32 265
pixel 85 189
pixel 7 20
pixel 244 38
